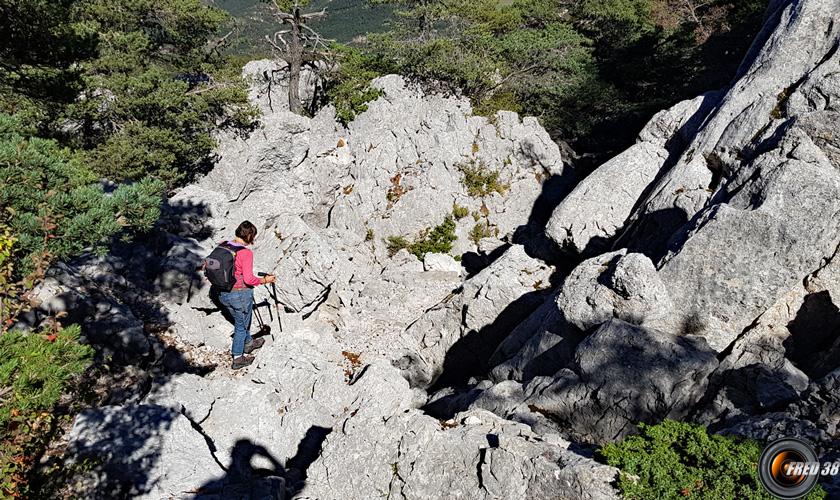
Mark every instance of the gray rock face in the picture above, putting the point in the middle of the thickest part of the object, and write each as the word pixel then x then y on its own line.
pixel 441 262
pixel 623 374
pixel 584 223
pixel 538 346
pixel 89 301
pixel 739 257
pixel 468 459
pixel 754 105
pixel 613 285
pixel 596 210
pixel 145 451
pixel 815 417
pixel 459 334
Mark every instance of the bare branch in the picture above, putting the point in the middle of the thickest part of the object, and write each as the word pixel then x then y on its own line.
pixel 513 75
pixel 273 43
pixel 314 15
pixel 316 34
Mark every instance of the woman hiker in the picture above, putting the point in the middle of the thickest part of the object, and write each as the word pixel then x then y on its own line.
pixel 240 300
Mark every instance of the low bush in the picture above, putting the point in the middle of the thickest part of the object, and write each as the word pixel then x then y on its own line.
pixel 459 212
pixel 482 230
pixel 677 460
pixel 437 240
pixel 349 88
pixel 35 370
pixel 480 181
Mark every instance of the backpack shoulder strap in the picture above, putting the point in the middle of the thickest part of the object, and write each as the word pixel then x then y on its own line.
pixel 234 249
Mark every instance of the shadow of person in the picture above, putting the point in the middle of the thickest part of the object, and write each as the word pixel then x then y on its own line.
pixel 245 481
pixel 269 479
pixel 242 468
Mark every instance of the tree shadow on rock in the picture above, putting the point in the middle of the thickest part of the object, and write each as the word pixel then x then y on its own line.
pixel 121 445
pixel 116 300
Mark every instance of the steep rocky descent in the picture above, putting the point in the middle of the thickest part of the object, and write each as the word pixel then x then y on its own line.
pixel 724 236
pixel 707 292
pixel 331 408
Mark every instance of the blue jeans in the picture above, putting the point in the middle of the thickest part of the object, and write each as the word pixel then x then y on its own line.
pixel 240 303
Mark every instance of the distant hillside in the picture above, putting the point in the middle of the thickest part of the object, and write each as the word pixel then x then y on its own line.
pixel 346 20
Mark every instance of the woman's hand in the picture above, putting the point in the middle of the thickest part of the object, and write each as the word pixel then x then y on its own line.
pixel 269 278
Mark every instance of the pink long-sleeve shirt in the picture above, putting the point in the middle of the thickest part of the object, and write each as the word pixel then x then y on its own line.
pixel 243 267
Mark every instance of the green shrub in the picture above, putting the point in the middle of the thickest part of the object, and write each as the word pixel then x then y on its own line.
pixel 482 230
pixel 676 460
pixel 437 240
pixel 500 101
pixel 396 243
pixel 35 370
pixel 349 88
pixel 459 212
pixel 481 181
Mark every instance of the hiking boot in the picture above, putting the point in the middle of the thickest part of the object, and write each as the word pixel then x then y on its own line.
pixel 241 362
pixel 254 345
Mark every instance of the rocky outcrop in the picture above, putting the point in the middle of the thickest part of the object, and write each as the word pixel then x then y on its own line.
pixel 456 338
pixel 747 120
pixel 621 375
pixel 725 238
pixel 596 211
pixel 701 285
pixel 332 407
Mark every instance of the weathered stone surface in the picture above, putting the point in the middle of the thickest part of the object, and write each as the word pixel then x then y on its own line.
pixel 624 374
pixel 755 104
pixel 736 259
pixel 815 417
pixel 460 334
pixel 674 127
pixel 178 278
pixel 772 363
pixel 540 345
pixel 598 207
pixel 595 212
pixel 441 262
pixel 479 455
pixel 141 451
pixel 613 285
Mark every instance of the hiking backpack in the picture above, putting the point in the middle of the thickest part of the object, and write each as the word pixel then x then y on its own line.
pixel 219 266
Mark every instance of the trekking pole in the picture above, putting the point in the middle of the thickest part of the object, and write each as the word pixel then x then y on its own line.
pixel 273 294
pixel 260 322
pixel 277 307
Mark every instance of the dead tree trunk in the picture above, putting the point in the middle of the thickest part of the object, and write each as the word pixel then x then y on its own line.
pixel 295 61
pixel 303 48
